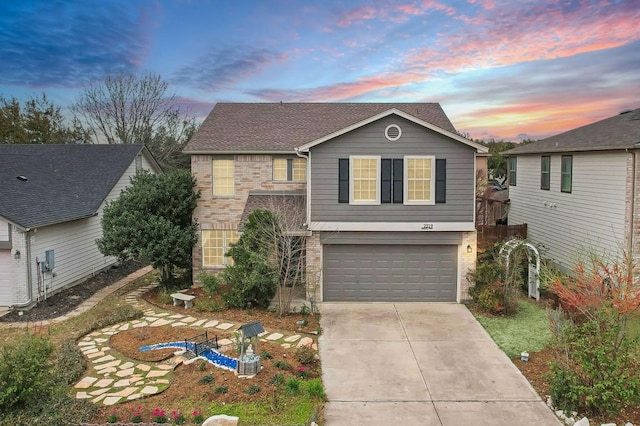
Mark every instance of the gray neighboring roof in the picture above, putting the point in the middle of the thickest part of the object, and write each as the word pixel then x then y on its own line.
pixel 291 204
pixel 282 127
pixel 64 182
pixel 621 131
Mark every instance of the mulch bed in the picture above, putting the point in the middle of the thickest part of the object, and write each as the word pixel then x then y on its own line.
pixel 67 300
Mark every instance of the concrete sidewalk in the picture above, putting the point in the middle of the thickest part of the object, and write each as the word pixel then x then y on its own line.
pixel 419 364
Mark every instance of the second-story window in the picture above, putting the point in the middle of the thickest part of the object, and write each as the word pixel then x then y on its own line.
pixel 513 169
pixel 223 177
pixel 420 182
pixel 566 173
pixel 365 180
pixel 545 172
pixel 289 169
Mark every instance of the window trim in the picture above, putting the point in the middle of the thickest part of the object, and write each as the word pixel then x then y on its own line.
pixel 432 181
pixel 213 186
pixel 513 169
pixel 544 172
pixel 352 185
pixel 225 247
pixel 569 173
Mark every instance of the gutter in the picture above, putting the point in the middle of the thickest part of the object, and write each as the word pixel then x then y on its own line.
pixel 308 158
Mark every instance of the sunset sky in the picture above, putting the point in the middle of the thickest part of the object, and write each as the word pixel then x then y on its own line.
pixel 501 69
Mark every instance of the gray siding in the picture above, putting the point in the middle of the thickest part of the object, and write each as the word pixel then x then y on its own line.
pixel 412 238
pixel 370 140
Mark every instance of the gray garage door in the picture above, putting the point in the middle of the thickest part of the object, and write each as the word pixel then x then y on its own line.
pixel 390 273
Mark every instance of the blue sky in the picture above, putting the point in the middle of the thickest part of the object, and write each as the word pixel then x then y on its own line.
pixel 501 69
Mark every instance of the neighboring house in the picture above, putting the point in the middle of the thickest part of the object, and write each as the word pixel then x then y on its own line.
pixel 51 202
pixel 386 193
pixel 579 191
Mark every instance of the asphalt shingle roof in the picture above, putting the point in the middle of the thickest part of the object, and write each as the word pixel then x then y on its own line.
pixel 281 127
pixel 618 132
pixel 63 182
pixel 290 204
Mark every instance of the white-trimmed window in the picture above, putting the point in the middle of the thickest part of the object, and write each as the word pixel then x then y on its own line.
pixel 215 243
pixel 289 169
pixel 365 180
pixel 566 173
pixel 223 177
pixel 419 179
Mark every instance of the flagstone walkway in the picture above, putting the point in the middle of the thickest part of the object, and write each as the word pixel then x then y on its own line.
pixel 116 379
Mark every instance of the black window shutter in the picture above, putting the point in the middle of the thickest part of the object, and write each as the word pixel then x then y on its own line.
pixel 343 180
pixel 398 189
pixel 441 180
pixel 385 180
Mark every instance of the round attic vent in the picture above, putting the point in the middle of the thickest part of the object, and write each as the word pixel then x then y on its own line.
pixel 393 132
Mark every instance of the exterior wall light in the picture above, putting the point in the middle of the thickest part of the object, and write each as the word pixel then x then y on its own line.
pixel 469 248
pixel 16 255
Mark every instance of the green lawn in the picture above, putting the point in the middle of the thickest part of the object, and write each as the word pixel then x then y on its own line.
pixel 527 331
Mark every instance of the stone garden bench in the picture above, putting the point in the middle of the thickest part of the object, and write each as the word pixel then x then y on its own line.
pixel 179 298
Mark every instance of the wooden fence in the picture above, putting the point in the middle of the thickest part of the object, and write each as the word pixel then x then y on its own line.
pixel 491 234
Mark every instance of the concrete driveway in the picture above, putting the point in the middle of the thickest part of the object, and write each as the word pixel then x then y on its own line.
pixel 419 364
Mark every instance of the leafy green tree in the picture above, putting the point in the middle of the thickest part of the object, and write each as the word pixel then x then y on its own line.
pixel 253 278
pixel 497 163
pixel 128 109
pixel 37 121
pixel 152 221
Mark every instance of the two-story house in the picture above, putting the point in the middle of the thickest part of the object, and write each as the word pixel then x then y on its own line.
pixel 387 193
pixel 579 191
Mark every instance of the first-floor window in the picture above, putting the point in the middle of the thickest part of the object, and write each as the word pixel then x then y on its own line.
pixel 215 243
pixel 566 171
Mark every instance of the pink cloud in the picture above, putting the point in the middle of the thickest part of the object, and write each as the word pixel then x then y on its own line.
pixel 529 35
pixel 357 16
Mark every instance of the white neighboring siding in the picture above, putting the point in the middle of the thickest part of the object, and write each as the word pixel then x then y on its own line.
pixel 74 243
pixel 589 219
pixel 6 278
pixel 4 230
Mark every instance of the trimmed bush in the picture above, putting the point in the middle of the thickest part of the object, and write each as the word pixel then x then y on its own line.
pixel 25 371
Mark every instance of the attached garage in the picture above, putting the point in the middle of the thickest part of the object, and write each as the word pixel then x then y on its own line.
pixel 6 268
pixel 390 272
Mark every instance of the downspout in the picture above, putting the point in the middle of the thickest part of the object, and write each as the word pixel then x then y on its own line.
pixel 308 158
pixel 633 202
pixel 27 233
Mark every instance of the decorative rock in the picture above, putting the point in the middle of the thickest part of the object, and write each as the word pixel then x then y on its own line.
pixel 275 336
pixel 292 339
pixel 582 422
pixel 110 400
pixel 286 345
pixel 211 324
pixel 98 392
pixel 156 373
pixel 113 363
pixel 122 383
pixel 160 322
pixel 198 323
pixel 86 382
pixel 86 343
pixel 125 373
pixel 179 324
pixel 126 365
pixel 569 421
pixel 108 370
pixel 306 341
pixel 143 367
pixel 124 392
pixel 224 326
pixel 149 390
pixel 224 342
pixel 608 424
pixel 103 383
pixel 104 359
pixel 189 320
pixel 82 395
pixel 94 355
pixel 221 420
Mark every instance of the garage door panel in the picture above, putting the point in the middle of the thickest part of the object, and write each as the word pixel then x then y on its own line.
pixel 389 273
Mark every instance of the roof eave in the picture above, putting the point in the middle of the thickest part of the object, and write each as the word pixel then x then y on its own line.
pixel 258 152
pixel 512 152
pixel 309 145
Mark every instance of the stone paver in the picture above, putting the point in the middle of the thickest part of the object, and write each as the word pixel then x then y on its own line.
pixel 123 380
